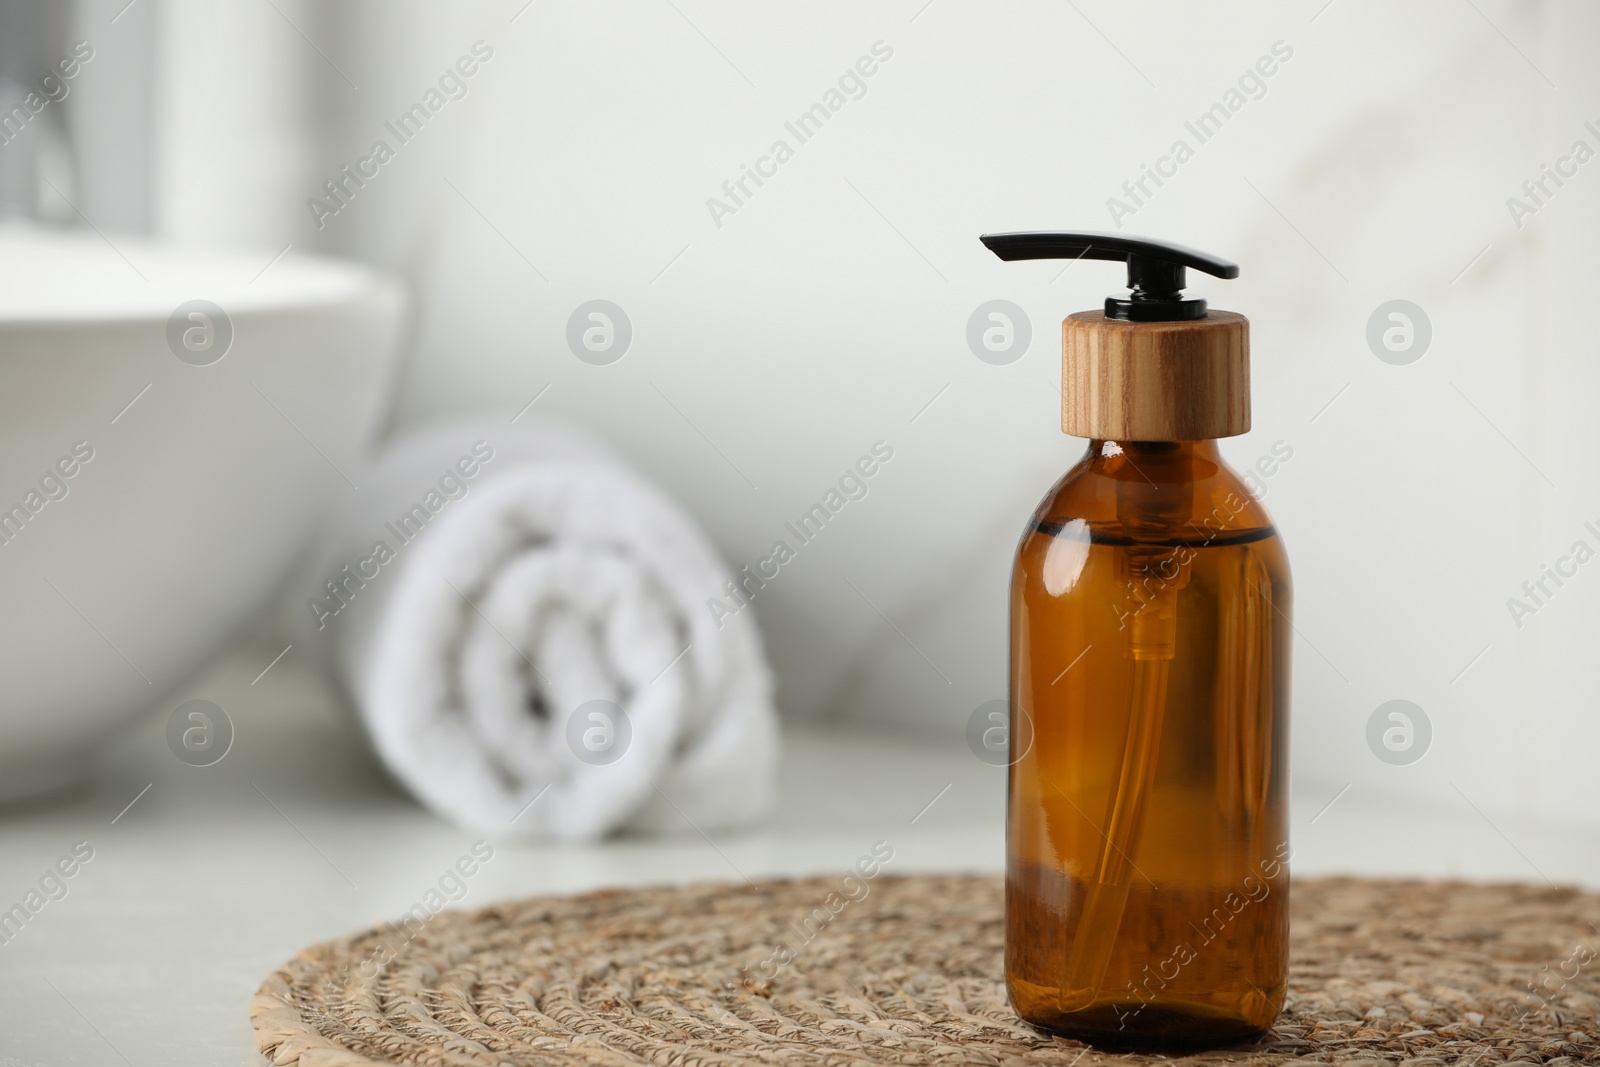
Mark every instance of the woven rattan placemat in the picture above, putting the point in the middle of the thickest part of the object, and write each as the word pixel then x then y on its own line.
pixel 1382 972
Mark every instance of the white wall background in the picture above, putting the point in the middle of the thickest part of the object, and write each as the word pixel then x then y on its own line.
pixel 773 350
pixel 238 105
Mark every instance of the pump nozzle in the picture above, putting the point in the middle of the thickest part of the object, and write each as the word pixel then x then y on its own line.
pixel 1156 269
pixel 1155 366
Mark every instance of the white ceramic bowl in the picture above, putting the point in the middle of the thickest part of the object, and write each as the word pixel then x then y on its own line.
pixel 122 572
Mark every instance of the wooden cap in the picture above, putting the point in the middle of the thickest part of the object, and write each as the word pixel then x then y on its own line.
pixel 1155 381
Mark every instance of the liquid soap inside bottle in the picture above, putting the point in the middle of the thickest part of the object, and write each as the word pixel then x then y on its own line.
pixel 1147 878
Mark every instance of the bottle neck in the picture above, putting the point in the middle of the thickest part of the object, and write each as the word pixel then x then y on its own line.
pixel 1140 455
pixel 1155 481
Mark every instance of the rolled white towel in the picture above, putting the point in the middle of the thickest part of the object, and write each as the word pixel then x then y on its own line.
pixel 522 624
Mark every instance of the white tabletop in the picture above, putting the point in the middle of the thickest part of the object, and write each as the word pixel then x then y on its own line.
pixel 216 875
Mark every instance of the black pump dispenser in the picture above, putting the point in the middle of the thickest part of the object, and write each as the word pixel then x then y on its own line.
pixel 1155 268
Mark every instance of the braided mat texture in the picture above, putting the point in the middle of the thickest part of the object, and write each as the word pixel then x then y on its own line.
pixel 1408 973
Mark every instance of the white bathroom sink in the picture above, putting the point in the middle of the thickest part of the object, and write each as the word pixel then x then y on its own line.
pixel 149 504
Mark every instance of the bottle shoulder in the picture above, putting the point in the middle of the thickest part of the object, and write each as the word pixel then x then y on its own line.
pixel 1198 500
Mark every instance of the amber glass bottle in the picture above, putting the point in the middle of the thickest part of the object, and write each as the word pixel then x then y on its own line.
pixel 1147 883
pixel 1147 879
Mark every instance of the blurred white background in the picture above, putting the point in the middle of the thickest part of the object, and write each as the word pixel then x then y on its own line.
pixel 774 345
